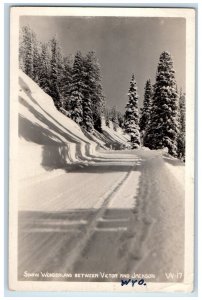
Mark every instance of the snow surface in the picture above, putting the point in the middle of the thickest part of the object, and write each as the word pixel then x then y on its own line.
pixel 116 136
pixel 177 168
pixel 123 212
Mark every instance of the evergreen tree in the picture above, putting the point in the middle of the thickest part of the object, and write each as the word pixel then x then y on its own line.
pixel 107 116
pixel 21 50
pixel 44 71
pixel 120 119
pixel 54 89
pixel 131 117
pixel 95 89
pixel 114 118
pixel 98 108
pixel 146 110
pixel 87 77
pixel 26 51
pixel 29 53
pixel 60 69
pixel 164 125
pixel 65 83
pixel 182 127
pixel 36 58
pixel 76 90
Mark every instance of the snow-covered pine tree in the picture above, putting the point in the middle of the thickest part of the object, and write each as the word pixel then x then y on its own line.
pixel 98 107
pixel 76 90
pixel 120 119
pixel 107 116
pixel 60 70
pixel 87 75
pixel 164 124
pixel 146 110
pixel 131 117
pixel 182 127
pixel 26 51
pixel 96 93
pixel 36 58
pixel 54 89
pixel 65 82
pixel 21 50
pixel 114 117
pixel 44 73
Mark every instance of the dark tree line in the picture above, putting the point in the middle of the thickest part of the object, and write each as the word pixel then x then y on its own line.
pixel 114 116
pixel 73 83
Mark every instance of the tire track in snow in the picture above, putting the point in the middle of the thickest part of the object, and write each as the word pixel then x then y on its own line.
pixel 82 243
pixel 140 224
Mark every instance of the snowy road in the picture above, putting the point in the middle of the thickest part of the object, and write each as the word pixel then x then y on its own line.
pixel 123 213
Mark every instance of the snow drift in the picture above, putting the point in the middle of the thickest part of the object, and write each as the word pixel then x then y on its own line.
pixel 49 140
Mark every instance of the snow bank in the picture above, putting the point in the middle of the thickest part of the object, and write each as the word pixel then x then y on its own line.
pixel 48 140
pixel 178 171
pixel 176 167
pixel 117 139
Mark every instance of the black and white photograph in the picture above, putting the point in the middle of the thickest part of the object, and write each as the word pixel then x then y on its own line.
pixel 101 186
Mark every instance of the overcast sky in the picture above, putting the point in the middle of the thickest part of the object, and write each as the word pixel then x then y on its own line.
pixel 123 46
